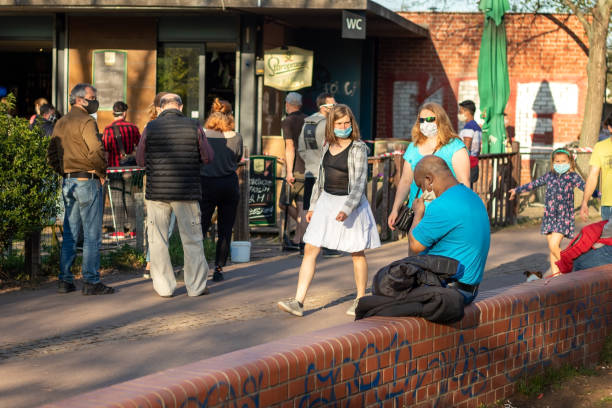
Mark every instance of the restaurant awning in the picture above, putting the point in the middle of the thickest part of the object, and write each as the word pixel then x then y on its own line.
pixel 304 14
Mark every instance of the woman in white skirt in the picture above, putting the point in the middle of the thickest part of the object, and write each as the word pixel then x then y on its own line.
pixel 340 216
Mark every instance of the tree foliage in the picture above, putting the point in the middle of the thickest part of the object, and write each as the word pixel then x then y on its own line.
pixel 28 186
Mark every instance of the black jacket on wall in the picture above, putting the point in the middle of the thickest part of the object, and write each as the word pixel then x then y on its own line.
pixel 413 287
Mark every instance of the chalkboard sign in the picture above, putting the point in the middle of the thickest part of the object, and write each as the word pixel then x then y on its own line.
pixel 110 76
pixel 262 193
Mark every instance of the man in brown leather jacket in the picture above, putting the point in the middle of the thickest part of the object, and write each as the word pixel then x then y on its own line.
pixel 76 153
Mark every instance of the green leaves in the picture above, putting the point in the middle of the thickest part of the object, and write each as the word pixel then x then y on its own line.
pixel 28 186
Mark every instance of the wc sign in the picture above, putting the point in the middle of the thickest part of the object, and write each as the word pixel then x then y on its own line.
pixel 353 25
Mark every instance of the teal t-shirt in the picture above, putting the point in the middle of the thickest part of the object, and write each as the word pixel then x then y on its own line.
pixel 456 225
pixel 413 156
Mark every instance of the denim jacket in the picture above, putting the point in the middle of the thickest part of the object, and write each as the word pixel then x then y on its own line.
pixel 357 175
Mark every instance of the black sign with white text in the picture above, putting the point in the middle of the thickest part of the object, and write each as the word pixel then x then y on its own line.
pixel 353 25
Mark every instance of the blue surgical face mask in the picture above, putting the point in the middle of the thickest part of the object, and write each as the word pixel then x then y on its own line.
pixel 343 133
pixel 561 168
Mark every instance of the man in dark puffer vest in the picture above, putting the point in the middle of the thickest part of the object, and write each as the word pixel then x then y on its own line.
pixel 172 148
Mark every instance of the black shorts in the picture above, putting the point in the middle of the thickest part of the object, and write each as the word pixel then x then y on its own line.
pixel 309 183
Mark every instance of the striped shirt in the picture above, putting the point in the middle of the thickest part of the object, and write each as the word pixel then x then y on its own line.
pixel 130 136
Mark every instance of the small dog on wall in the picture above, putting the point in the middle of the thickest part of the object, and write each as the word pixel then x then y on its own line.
pixel 532 275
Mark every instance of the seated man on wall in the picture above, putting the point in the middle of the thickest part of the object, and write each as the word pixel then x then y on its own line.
pixel 455 225
pixel 452 239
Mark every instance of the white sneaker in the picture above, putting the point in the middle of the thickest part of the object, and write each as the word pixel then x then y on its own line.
pixel 292 306
pixel 351 310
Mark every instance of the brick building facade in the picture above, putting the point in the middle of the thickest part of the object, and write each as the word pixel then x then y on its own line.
pixel 547 57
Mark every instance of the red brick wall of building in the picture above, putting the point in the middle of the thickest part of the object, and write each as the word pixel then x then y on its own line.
pixel 546 58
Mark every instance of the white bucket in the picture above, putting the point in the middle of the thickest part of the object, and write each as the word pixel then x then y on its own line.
pixel 240 251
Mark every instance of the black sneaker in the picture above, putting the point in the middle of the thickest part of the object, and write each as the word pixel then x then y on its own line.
pixel 97 289
pixel 65 287
pixel 289 245
pixel 218 274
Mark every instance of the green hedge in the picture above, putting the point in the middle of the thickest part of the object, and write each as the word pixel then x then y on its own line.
pixel 28 186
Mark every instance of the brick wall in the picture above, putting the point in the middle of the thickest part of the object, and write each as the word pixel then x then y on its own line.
pixel 547 71
pixel 395 361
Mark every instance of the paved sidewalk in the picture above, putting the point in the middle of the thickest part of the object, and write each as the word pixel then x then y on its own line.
pixel 56 346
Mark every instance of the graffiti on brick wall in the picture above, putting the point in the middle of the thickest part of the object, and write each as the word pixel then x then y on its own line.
pixel 464 367
pixel 562 331
pixel 407 97
pixel 536 105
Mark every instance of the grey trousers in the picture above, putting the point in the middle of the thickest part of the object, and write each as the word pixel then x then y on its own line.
pixel 196 267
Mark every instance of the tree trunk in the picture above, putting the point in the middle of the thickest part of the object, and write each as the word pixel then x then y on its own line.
pixel 595 95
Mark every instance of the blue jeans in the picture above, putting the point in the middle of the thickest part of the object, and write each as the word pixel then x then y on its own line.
pixel 593 258
pixel 468 297
pixel 83 206
pixel 606 212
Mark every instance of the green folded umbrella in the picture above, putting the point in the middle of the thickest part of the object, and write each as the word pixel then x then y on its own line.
pixel 493 83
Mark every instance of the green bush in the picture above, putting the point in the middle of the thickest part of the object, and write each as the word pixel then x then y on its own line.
pixel 176 249
pixel 28 186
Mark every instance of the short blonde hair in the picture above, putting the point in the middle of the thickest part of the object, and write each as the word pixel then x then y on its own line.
pixel 445 129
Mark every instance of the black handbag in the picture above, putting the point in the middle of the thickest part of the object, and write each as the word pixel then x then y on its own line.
pixel 405 217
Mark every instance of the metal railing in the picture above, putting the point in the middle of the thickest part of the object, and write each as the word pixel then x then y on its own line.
pixel 498 174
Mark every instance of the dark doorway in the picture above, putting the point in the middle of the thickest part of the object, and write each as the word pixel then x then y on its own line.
pixel 220 75
pixel 27 73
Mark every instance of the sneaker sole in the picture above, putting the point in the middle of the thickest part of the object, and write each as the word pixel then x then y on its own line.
pixel 284 308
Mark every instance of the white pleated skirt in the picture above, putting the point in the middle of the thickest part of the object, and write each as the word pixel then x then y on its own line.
pixel 356 233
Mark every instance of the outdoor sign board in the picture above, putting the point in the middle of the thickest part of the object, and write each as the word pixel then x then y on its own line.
pixel 262 191
pixel 353 25
pixel 110 76
pixel 288 68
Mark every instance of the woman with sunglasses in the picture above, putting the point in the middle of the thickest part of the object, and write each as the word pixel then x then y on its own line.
pixel 339 216
pixel 432 133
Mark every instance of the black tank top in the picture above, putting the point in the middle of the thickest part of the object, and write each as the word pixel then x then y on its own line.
pixel 336 172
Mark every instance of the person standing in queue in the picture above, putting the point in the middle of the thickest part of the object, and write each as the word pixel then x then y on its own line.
pixel 75 152
pixel 293 202
pixel 339 216
pixel 219 179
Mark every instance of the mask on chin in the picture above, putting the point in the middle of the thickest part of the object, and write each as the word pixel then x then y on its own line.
pixel 461 117
pixel 428 195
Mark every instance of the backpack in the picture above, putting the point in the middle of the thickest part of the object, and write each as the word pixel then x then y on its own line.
pixel 310 132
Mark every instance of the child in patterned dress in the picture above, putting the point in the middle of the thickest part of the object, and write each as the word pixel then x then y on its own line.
pixel 558 220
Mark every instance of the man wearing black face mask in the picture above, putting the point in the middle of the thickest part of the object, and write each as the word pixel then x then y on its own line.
pixel 75 152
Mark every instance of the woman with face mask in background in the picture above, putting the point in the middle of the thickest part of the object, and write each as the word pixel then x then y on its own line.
pixel 432 133
pixel 339 217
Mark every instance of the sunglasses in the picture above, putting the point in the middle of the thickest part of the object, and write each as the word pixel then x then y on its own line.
pixel 428 119
pixel 328 105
